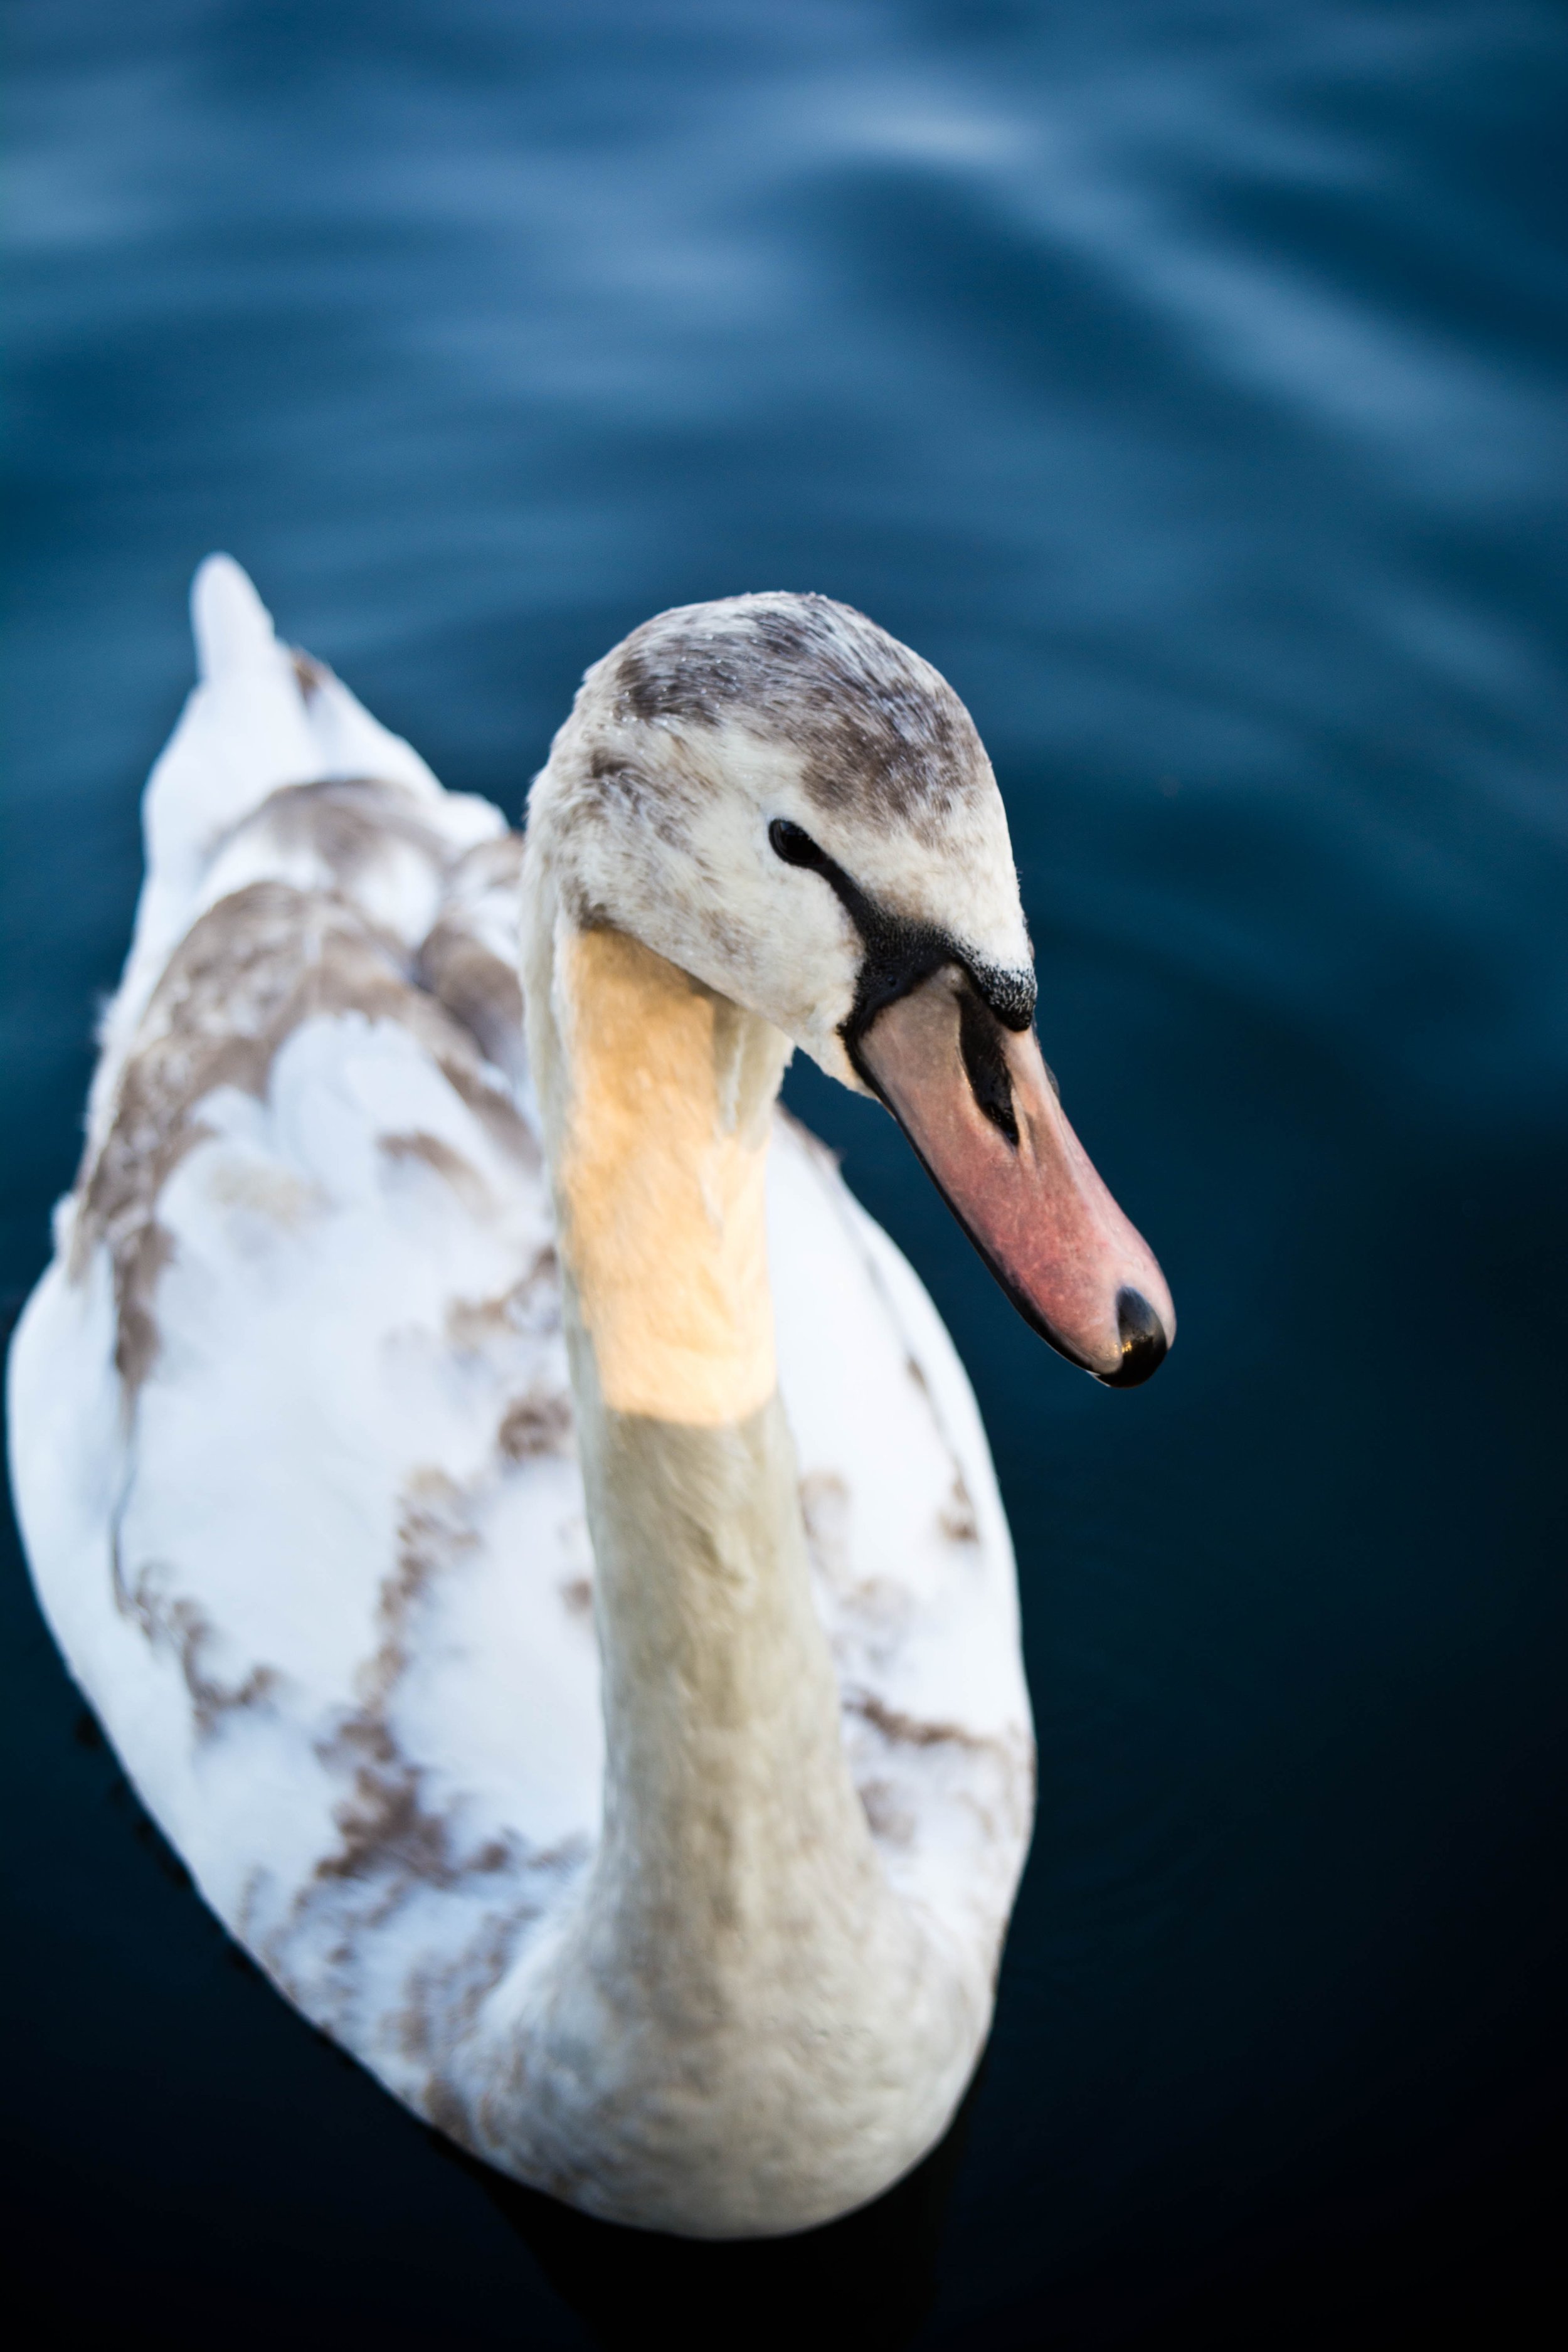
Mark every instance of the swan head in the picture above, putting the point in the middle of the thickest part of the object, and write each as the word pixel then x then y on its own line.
pixel 778 797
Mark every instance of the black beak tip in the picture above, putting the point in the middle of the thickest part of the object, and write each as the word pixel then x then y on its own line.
pixel 1143 1342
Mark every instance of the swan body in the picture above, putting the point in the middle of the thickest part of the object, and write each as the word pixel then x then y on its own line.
pixel 523 1526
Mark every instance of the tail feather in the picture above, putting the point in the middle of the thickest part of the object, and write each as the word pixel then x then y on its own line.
pixel 261 718
pixel 350 743
pixel 242 734
pixel 235 639
pixel 233 628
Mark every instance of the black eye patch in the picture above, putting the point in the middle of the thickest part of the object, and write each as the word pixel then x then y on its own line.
pixel 900 954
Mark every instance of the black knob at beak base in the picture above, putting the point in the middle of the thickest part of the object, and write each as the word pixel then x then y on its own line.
pixel 1143 1341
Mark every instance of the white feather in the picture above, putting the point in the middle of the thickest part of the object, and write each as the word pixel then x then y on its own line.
pixel 323 1568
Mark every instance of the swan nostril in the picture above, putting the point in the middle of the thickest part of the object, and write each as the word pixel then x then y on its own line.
pixel 1143 1341
pixel 985 1064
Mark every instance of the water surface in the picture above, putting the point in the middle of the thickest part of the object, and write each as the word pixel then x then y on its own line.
pixel 1186 382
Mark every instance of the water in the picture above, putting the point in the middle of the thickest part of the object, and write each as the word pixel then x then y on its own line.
pixel 1185 381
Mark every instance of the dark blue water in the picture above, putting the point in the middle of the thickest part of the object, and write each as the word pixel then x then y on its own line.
pixel 1187 382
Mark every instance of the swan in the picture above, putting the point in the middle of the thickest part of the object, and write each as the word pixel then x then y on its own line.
pixel 524 1528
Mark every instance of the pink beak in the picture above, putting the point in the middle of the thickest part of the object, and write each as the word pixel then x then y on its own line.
pixel 975 1099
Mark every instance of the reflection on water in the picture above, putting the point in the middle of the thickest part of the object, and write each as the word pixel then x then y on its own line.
pixel 868 2280
pixel 1186 381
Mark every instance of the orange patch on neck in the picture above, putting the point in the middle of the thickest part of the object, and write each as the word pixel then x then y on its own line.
pixel 661 1192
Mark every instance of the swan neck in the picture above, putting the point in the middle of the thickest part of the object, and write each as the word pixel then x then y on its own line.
pixel 738 2007
pixel 720 1700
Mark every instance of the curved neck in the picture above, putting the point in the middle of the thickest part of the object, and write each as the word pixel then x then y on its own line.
pixel 720 1702
pixel 740 2003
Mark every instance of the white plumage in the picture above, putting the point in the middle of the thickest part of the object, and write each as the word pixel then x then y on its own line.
pixel 292 1430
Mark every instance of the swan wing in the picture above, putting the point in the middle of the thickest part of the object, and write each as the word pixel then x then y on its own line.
pixel 291 1424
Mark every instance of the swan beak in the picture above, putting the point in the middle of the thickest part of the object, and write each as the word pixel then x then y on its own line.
pixel 977 1102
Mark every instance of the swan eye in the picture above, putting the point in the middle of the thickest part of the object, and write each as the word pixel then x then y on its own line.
pixel 795 848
